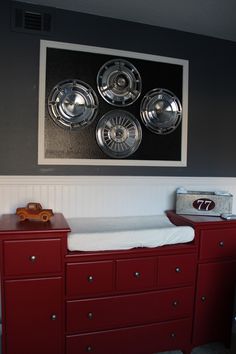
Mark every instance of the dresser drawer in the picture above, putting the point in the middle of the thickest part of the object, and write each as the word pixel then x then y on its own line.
pixel 89 315
pixel 218 243
pixel 133 340
pixel 176 270
pixel 136 274
pixel 89 278
pixel 26 257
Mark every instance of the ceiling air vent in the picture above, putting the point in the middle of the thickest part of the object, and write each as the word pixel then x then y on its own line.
pixel 30 21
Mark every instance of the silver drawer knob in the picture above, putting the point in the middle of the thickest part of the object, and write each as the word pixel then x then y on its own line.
pixel 178 270
pixel 221 243
pixel 137 274
pixel 53 317
pixel 89 348
pixel 90 278
pixel 203 298
pixel 173 335
pixel 32 258
pixel 175 303
pixel 90 315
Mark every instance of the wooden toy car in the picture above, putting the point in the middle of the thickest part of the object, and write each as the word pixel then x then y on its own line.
pixel 34 211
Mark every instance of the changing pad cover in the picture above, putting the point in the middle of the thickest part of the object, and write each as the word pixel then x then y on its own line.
pixel 120 233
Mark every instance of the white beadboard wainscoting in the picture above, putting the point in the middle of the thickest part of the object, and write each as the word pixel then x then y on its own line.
pixel 99 196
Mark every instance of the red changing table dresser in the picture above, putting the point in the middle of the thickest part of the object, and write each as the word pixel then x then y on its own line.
pixel 139 301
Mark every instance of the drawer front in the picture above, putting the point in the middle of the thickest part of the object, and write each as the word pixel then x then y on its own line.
pixel 136 274
pixel 133 340
pixel 30 305
pixel 176 270
pixel 125 310
pixel 214 302
pixel 26 257
pixel 89 278
pixel 218 243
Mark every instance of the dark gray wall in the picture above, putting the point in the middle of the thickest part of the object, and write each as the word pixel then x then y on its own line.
pixel 212 92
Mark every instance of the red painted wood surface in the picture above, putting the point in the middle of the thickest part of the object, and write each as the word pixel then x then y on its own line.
pixel 32 285
pixel 35 256
pixel 176 270
pixel 216 276
pixel 214 310
pixel 218 244
pixel 133 340
pixel 89 278
pixel 124 310
pixel 200 221
pixel 136 274
pixel 11 224
pixel 30 305
pixel 102 293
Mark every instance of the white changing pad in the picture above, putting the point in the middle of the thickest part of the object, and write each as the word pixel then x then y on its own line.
pixel 119 233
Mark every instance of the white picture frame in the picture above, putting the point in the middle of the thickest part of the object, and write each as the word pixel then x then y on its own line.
pixel 42 160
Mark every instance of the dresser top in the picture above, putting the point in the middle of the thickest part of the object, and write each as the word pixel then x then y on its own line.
pixel 201 220
pixel 10 223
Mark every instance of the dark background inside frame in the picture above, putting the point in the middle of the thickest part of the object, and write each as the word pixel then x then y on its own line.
pixel 61 143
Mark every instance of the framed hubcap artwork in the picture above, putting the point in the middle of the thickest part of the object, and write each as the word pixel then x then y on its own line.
pixel 103 106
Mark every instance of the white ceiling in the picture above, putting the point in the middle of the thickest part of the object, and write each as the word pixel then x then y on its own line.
pixel 216 18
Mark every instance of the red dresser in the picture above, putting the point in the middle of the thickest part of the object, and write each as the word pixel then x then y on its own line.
pixel 130 302
pixel 216 276
pixel 32 285
pixel 139 301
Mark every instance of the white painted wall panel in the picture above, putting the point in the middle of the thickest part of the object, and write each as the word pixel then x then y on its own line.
pixel 94 196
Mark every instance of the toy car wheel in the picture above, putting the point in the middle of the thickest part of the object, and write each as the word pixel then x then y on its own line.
pixel 22 216
pixel 44 217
